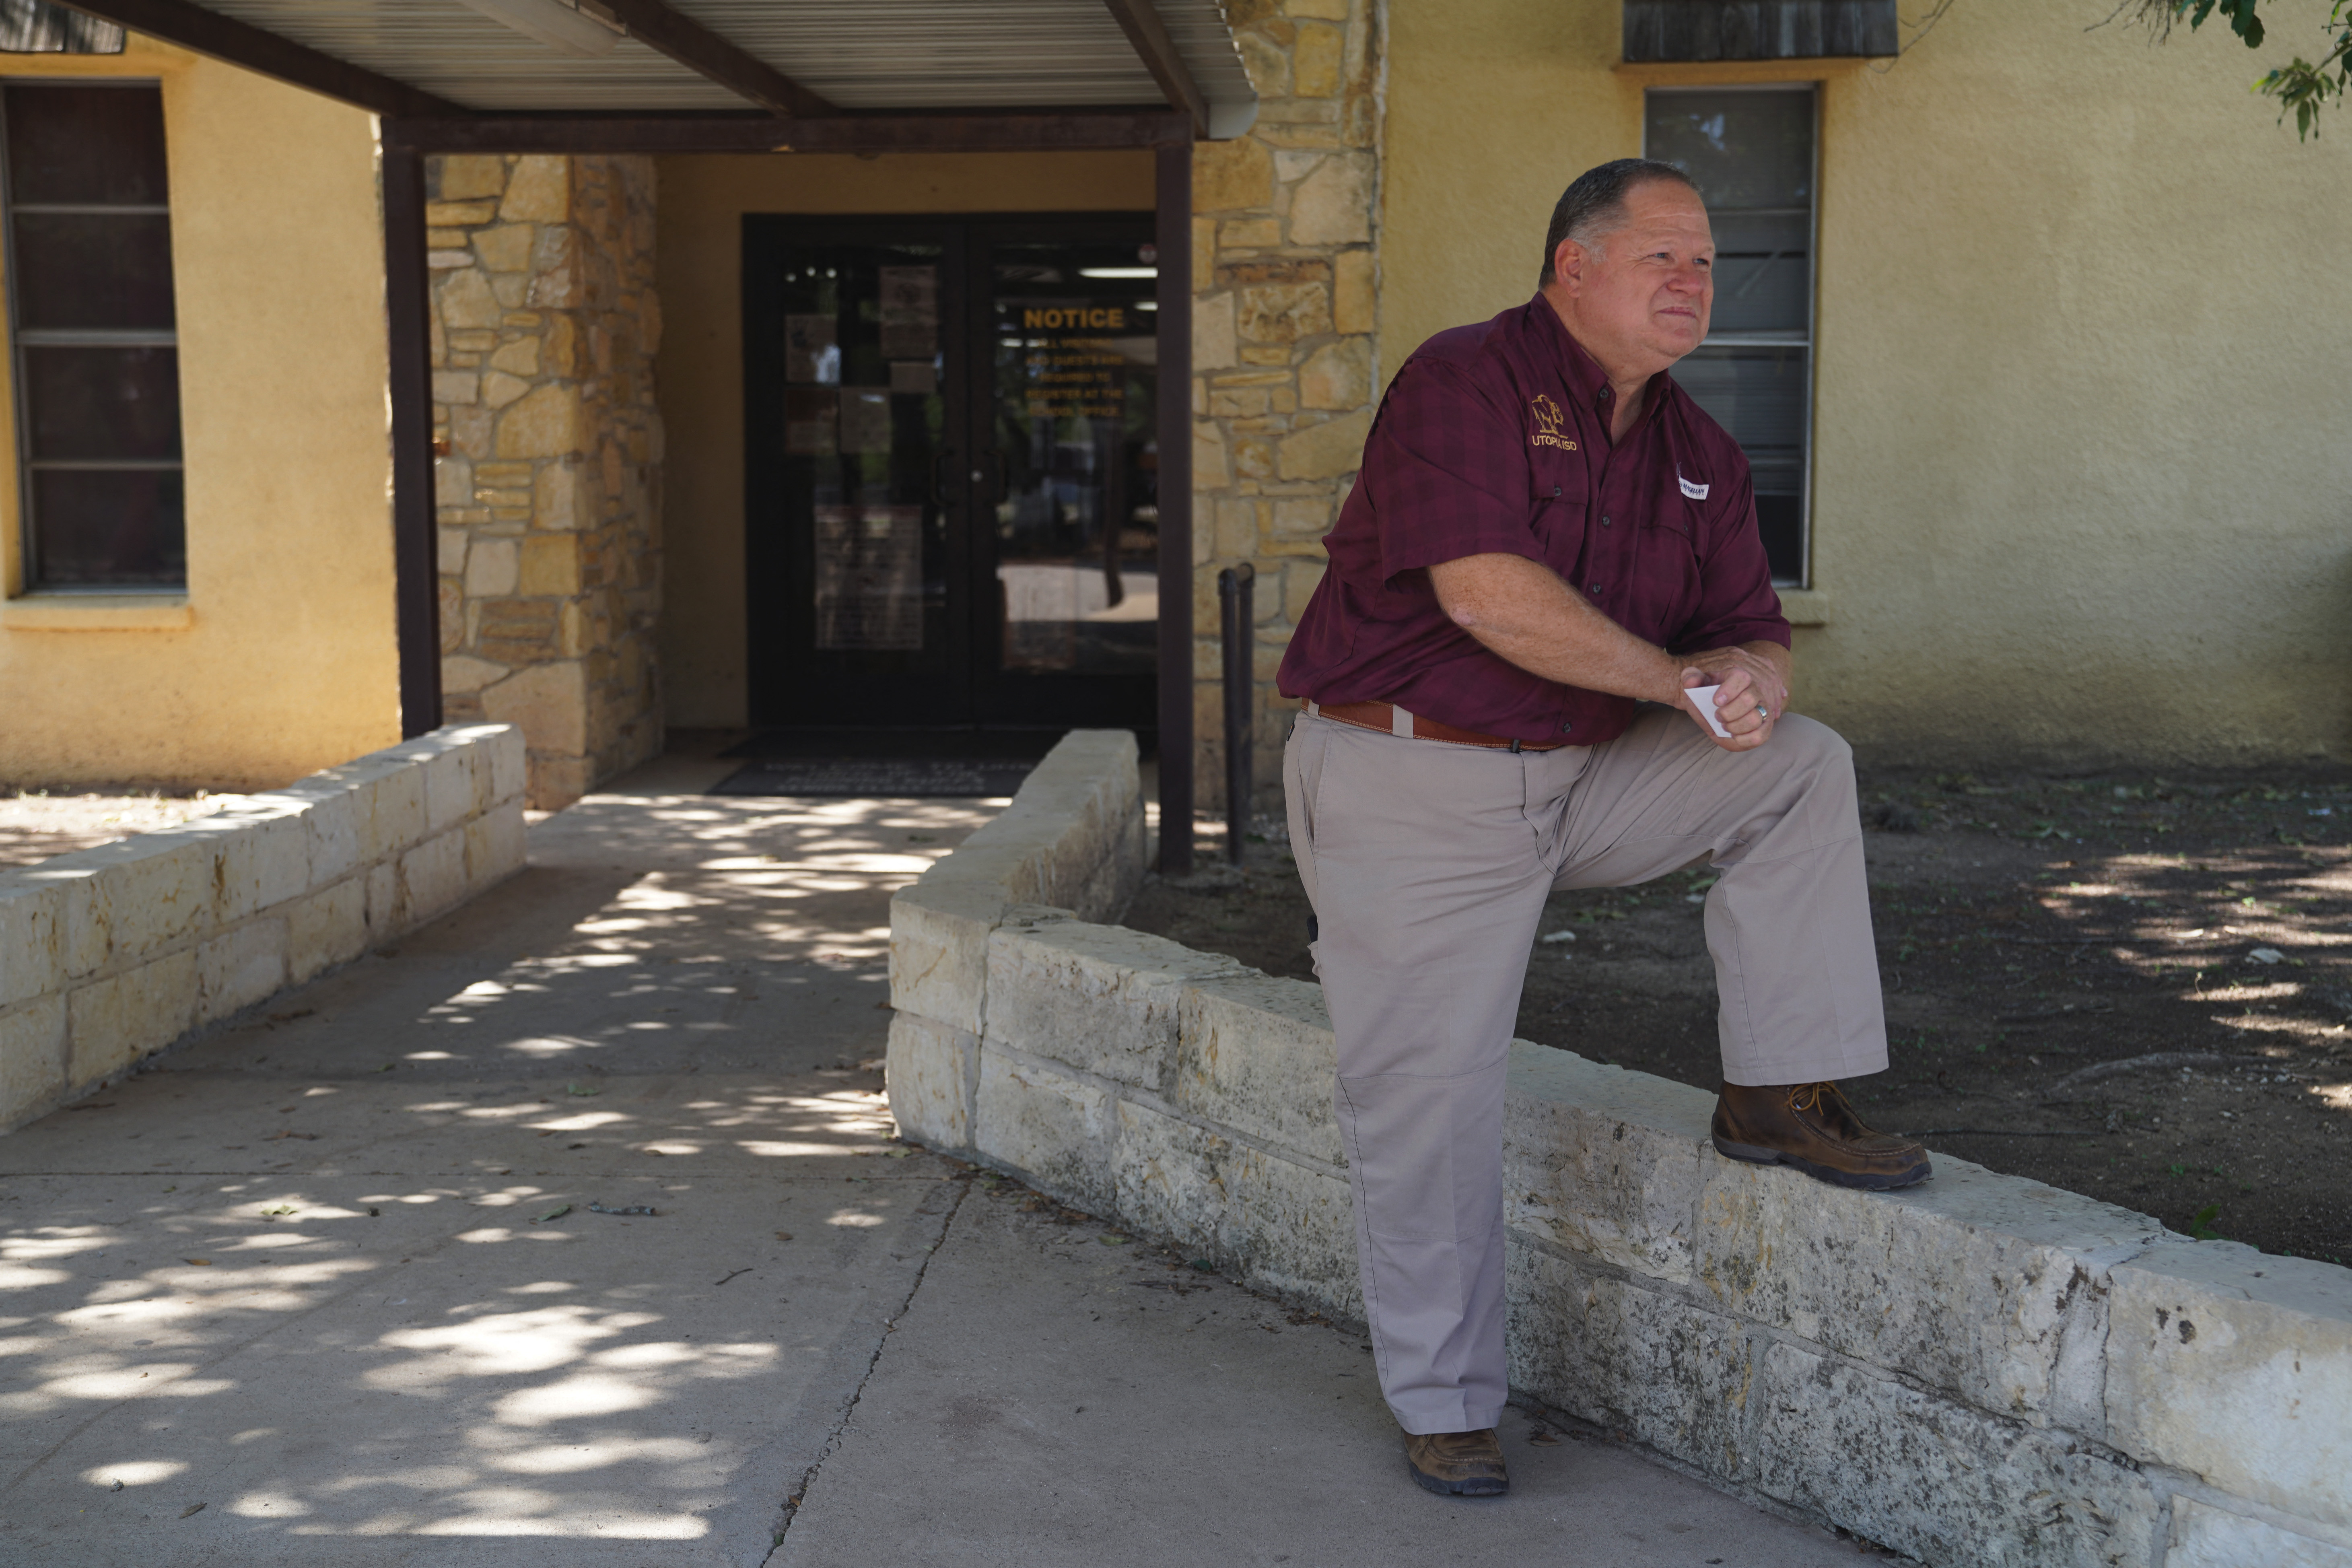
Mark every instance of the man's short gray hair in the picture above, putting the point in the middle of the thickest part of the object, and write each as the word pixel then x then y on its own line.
pixel 1594 203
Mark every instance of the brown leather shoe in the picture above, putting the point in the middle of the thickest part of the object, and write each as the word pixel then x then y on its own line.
pixel 1457 1464
pixel 1812 1127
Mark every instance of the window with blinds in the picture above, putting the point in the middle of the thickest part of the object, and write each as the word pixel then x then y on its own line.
pixel 1759 29
pixel 93 335
pixel 1751 151
pixel 39 27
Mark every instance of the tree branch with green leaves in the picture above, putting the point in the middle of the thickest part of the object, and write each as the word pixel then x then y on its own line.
pixel 2301 88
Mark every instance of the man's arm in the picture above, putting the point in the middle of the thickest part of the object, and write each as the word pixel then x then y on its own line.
pixel 1522 611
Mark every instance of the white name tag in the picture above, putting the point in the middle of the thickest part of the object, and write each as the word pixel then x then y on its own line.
pixel 1695 493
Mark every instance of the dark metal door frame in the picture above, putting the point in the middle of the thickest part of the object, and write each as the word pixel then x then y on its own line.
pixel 1174 182
pixel 779 593
pixel 1001 698
pixel 968 480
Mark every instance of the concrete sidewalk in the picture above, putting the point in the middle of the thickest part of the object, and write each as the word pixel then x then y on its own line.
pixel 327 1287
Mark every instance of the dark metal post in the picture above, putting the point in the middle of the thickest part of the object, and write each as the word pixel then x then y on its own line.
pixel 1174 241
pixel 1237 605
pixel 416 570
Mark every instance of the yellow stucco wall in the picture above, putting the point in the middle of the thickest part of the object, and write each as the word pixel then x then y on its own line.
pixel 285 662
pixel 700 369
pixel 2080 492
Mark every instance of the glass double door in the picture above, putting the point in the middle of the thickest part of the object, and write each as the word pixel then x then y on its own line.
pixel 951 506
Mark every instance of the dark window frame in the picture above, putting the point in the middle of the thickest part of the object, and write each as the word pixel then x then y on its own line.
pixel 30 574
pixel 1810 342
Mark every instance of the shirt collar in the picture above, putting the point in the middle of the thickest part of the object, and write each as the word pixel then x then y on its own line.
pixel 1579 371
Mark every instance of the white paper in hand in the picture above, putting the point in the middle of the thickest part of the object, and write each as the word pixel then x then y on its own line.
pixel 1705 697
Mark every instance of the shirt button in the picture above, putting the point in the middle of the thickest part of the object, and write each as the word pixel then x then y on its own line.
pixel 1555 489
pixel 1604 522
pixel 1564 726
pixel 1594 589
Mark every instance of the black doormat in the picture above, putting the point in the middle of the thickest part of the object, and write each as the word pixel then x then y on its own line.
pixel 987 778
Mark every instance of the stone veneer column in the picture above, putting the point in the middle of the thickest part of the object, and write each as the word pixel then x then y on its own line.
pixel 1285 276
pixel 544 327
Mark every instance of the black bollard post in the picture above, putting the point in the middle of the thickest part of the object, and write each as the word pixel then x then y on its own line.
pixel 1236 595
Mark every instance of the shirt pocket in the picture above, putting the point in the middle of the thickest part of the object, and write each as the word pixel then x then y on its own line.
pixel 1667 584
pixel 1559 517
pixel 1677 515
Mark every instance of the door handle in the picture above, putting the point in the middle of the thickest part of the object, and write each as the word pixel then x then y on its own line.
pixel 940 467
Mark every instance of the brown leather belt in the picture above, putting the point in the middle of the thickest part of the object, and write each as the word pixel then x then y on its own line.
pixel 1391 719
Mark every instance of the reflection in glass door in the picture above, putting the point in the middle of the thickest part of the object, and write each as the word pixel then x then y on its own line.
pixel 1076 527
pixel 849 544
pixel 951 503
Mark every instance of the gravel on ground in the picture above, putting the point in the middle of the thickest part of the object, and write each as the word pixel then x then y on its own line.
pixel 2136 987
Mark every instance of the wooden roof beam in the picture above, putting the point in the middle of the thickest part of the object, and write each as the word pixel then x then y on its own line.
pixel 220 38
pixel 699 49
pixel 1139 20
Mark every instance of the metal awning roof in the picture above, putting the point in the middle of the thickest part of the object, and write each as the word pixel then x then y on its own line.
pixel 611 59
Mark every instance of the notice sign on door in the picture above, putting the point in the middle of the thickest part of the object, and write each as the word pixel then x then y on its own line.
pixel 869 578
pixel 865 419
pixel 1073 379
pixel 811 350
pixel 910 312
pixel 811 422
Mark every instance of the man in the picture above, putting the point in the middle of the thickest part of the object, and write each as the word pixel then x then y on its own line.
pixel 1546 533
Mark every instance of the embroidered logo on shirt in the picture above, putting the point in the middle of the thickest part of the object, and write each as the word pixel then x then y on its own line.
pixel 1548 418
pixel 1695 493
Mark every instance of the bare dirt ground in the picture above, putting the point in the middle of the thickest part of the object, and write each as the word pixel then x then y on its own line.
pixel 2133 987
pixel 35 823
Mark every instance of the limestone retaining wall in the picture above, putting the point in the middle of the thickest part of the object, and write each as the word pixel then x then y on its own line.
pixel 110 954
pixel 1981 1370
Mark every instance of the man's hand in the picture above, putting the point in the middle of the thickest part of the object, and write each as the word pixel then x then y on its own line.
pixel 1753 679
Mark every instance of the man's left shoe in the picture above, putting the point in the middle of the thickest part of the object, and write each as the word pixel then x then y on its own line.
pixel 1457 1464
pixel 1812 1127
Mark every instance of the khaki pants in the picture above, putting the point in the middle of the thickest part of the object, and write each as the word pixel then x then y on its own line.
pixel 1428 865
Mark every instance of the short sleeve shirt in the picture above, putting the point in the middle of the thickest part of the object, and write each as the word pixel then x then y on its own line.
pixel 1493 440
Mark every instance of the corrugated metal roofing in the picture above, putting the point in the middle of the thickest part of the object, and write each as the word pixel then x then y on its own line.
pixel 859 54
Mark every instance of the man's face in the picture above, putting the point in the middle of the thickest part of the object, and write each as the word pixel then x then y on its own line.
pixel 1643 300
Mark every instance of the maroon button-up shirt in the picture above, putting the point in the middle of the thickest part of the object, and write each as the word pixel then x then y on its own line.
pixel 1493 440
